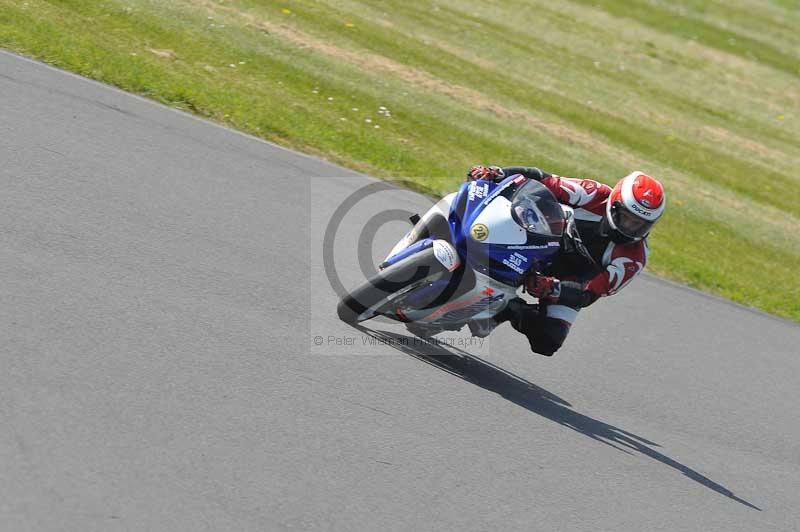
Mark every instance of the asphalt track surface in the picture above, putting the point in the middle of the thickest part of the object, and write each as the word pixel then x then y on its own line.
pixel 162 296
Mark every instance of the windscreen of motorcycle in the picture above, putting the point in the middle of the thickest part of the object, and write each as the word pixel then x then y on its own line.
pixel 537 211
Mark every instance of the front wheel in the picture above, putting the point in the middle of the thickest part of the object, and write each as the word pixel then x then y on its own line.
pixel 377 296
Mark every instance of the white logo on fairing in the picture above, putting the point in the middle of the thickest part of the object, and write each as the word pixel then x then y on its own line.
pixel 446 254
pixel 542 246
pixel 616 271
pixel 515 262
pixel 578 196
pixel 477 191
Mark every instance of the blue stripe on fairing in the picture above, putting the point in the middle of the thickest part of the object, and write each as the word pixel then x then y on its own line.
pixel 416 247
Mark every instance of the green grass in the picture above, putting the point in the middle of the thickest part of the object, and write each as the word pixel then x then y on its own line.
pixel 703 94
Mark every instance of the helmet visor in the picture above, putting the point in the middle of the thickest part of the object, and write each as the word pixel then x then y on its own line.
pixel 628 223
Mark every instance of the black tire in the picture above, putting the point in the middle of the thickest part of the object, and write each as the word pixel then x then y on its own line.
pixel 365 302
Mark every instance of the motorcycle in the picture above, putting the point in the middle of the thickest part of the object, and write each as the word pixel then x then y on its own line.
pixel 465 259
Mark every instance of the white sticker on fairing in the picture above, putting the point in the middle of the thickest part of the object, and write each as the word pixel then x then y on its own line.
pixel 446 254
pixel 477 191
pixel 515 261
pixel 534 246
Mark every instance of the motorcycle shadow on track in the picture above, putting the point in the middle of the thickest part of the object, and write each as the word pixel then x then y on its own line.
pixel 527 395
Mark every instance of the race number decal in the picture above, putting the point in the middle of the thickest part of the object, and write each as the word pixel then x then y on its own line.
pixel 479 232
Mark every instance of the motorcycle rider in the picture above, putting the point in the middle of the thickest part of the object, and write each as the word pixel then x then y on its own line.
pixel 608 251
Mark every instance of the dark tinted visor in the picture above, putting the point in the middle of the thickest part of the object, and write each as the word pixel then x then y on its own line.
pixel 628 223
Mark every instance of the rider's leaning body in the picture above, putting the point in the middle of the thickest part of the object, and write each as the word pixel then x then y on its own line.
pixel 609 250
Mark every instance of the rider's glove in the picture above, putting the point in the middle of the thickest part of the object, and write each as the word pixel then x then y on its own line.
pixel 543 287
pixel 489 173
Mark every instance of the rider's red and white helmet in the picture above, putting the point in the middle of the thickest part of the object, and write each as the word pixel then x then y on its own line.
pixel 635 205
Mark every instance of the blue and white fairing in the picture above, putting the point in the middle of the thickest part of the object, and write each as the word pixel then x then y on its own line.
pixel 496 233
pixel 490 239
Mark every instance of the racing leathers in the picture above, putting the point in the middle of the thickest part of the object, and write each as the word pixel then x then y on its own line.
pixel 595 262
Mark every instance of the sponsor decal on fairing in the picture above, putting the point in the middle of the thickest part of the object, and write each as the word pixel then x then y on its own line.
pixel 477 191
pixel 515 261
pixel 446 254
pixel 534 246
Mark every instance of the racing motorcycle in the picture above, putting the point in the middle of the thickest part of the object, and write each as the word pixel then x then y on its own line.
pixel 465 258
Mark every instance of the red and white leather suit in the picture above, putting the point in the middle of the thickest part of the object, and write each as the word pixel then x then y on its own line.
pixel 612 265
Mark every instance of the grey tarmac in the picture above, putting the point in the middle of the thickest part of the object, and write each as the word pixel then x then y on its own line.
pixel 171 358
